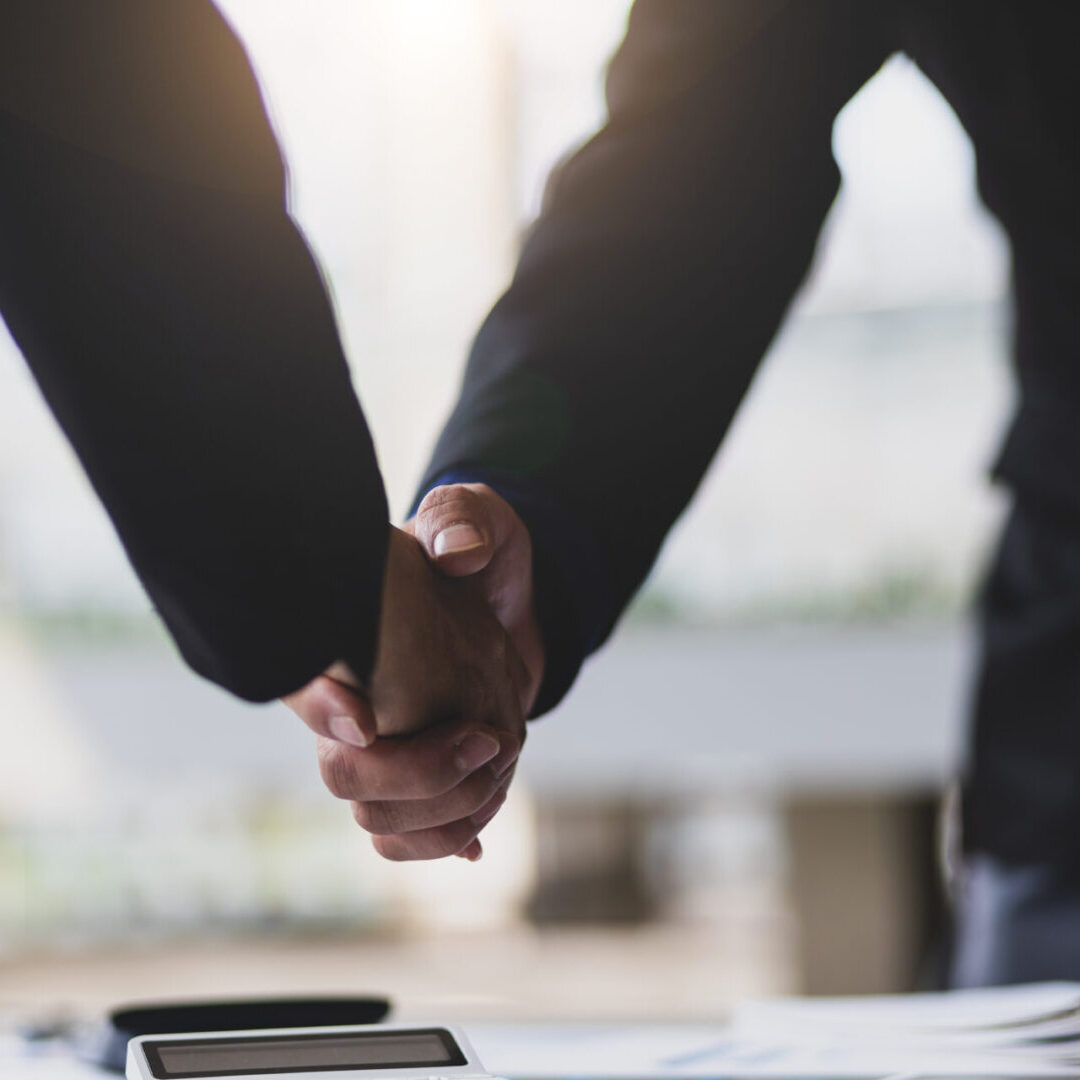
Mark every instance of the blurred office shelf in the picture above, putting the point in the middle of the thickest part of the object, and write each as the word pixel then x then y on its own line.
pixel 695 778
pixel 798 709
pixel 660 710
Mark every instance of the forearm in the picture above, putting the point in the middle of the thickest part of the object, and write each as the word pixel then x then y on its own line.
pixel 177 325
pixel 665 256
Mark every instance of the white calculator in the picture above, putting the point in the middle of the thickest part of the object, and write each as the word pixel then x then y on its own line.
pixel 363 1052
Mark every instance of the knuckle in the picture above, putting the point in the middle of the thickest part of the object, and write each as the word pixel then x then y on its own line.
pixel 363 816
pixel 337 772
pixel 377 818
pixel 392 849
pixel 445 494
pixel 446 505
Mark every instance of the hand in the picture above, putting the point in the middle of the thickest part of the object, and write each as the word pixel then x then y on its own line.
pixel 426 750
pixel 469 530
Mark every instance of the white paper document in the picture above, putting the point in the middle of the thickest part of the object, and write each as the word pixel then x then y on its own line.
pixel 1028 1031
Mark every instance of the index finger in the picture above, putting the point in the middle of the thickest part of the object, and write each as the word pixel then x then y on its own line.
pixel 423 765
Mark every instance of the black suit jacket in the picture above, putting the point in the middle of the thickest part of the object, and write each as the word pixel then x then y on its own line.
pixel 178 326
pixel 670 245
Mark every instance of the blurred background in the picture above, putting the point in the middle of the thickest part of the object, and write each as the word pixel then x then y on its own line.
pixel 742 794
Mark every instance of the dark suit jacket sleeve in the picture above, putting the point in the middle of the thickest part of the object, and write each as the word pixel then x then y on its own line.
pixel 179 329
pixel 665 255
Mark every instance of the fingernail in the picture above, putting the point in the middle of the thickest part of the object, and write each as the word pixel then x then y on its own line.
pixel 484 815
pixel 475 750
pixel 345 729
pixel 463 537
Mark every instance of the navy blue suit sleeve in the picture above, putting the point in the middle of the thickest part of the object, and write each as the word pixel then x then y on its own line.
pixel 179 329
pixel 665 255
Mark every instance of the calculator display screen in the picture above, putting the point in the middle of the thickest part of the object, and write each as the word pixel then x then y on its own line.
pixel 178 1059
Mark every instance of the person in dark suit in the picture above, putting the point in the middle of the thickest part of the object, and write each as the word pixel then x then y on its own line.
pixel 179 329
pixel 666 253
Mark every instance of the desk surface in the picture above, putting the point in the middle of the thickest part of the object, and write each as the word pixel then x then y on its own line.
pixel 636 1052
pixel 525 1051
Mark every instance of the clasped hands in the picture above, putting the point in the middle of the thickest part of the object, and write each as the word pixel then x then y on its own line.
pixel 426 750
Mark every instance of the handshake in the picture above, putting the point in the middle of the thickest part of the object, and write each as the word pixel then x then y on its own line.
pixel 426 750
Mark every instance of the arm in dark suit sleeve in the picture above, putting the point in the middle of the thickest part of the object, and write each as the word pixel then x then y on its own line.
pixel 179 329
pixel 665 255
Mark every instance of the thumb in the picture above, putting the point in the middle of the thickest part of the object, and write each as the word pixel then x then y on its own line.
pixel 334 710
pixel 459 527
